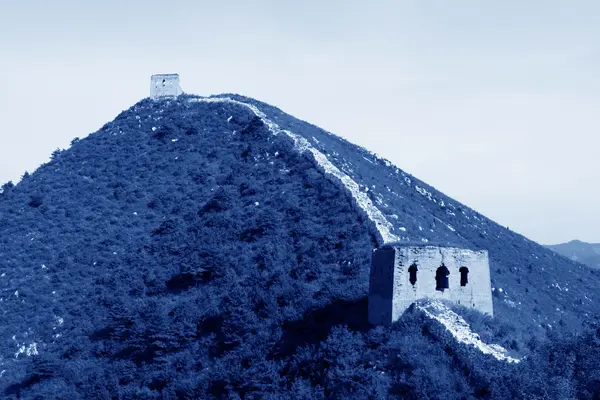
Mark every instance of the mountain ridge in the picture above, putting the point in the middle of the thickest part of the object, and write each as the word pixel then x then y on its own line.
pixel 186 235
pixel 577 250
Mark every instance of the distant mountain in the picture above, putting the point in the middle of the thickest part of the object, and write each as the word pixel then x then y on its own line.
pixel 220 248
pixel 576 250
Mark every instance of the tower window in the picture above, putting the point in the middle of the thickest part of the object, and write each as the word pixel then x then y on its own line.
pixel 412 274
pixel 441 278
pixel 464 276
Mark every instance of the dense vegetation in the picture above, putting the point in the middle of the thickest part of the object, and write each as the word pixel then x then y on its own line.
pixel 184 251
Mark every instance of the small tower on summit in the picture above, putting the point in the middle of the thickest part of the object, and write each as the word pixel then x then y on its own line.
pixel 164 85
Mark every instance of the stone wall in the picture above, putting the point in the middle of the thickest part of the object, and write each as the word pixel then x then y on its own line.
pixel 390 266
pixel 164 85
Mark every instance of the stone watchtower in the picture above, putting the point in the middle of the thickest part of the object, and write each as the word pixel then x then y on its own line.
pixel 164 85
pixel 402 274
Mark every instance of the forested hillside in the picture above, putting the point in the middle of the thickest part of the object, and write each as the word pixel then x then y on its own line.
pixel 220 248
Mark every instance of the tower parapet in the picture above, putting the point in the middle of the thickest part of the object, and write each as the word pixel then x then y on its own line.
pixel 164 85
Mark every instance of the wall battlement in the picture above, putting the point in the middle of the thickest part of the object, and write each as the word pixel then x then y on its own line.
pixel 164 85
pixel 400 275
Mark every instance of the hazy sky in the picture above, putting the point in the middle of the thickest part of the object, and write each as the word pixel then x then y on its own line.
pixel 495 103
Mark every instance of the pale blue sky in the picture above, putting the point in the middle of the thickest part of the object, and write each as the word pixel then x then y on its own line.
pixel 495 103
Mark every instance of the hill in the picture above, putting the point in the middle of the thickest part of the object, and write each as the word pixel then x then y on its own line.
pixel 576 250
pixel 218 247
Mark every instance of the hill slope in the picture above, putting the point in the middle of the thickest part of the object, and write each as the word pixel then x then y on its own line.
pixel 576 250
pixel 214 247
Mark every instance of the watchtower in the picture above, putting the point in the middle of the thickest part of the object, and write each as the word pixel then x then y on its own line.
pixel 402 274
pixel 164 85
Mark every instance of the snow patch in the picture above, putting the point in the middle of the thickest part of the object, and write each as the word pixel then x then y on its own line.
pixel 510 303
pixel 370 161
pixel 30 350
pixel 423 192
pixel 460 329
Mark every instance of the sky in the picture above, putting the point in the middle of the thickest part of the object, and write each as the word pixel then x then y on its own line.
pixel 495 103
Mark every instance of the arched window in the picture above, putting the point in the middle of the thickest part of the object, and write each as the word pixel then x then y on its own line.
pixel 464 276
pixel 412 274
pixel 441 278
